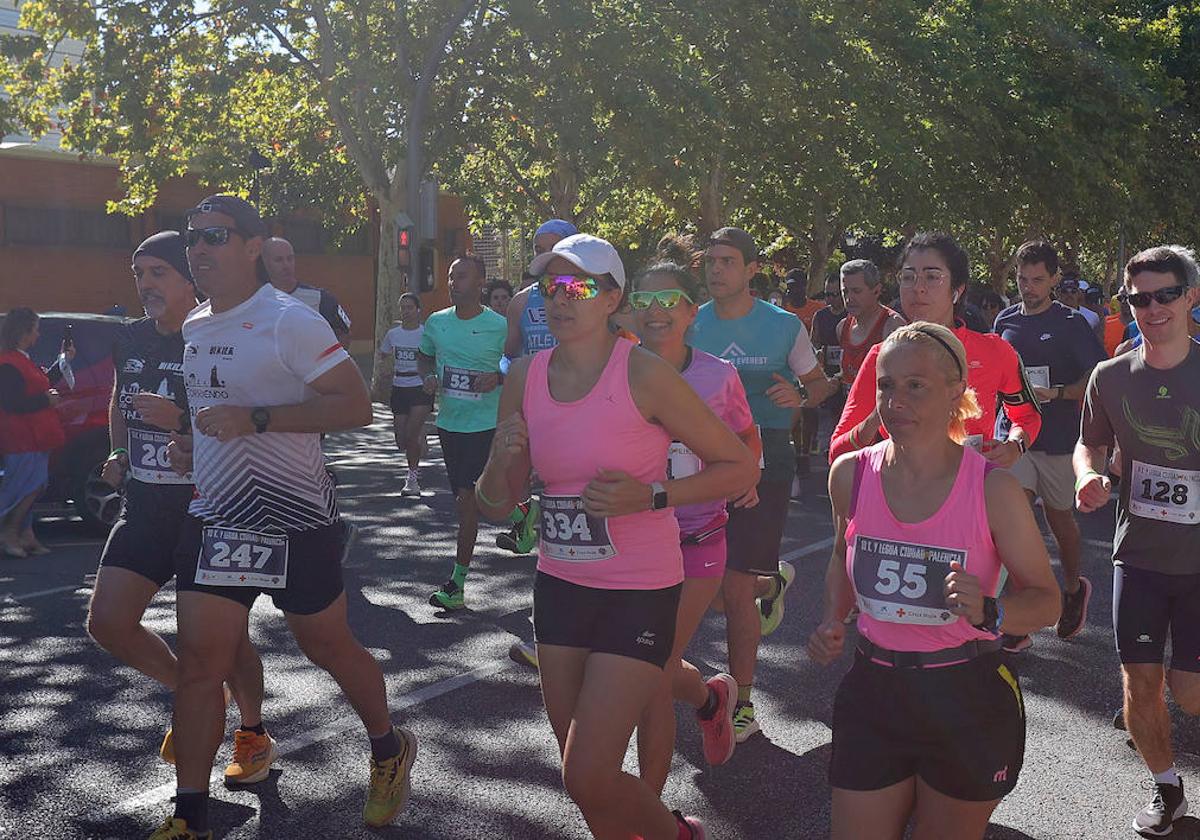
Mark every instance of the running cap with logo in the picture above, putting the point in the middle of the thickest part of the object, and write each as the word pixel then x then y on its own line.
pixel 170 247
pixel 736 238
pixel 243 213
pixel 559 227
pixel 588 253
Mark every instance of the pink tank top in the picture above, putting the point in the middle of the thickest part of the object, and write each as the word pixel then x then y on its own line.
pixel 898 569
pixel 570 443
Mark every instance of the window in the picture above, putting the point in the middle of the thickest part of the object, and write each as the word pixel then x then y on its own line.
pixel 52 226
pixel 311 237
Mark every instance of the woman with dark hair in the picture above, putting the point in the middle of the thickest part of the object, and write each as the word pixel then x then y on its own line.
pixel 29 430
pixel 496 296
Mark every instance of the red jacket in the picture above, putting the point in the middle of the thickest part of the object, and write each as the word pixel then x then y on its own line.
pixel 37 431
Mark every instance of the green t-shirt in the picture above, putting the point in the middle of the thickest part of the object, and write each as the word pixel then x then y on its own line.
pixel 464 349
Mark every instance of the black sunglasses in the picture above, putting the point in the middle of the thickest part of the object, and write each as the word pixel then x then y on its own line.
pixel 217 235
pixel 1140 300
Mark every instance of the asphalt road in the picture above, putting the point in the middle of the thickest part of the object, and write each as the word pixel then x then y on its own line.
pixel 79 734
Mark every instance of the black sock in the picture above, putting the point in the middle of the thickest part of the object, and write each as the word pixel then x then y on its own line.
pixel 257 730
pixel 385 746
pixel 709 709
pixel 193 807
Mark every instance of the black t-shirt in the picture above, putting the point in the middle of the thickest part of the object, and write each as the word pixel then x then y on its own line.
pixel 327 305
pixel 147 361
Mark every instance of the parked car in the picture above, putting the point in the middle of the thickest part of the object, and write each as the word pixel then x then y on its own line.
pixel 75 484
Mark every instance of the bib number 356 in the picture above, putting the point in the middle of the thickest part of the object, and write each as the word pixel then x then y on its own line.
pixel 232 557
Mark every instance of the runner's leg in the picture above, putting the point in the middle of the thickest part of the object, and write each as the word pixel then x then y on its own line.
pixel 400 431
pixel 114 620
pixel 246 682
pixel 940 817
pixel 878 814
pixel 1185 690
pixel 414 435
pixel 742 626
pixel 1070 544
pixel 468 526
pixel 1146 715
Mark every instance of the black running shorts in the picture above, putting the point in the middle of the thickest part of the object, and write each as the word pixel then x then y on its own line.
pixel 146 535
pixel 403 399
pixel 314 575
pixel 466 454
pixel 636 623
pixel 1146 606
pixel 754 534
pixel 960 728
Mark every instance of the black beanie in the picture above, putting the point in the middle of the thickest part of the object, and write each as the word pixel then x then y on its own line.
pixel 169 246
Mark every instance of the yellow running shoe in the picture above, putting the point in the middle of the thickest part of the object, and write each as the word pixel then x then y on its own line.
pixel 174 828
pixel 167 751
pixel 391 782
pixel 253 755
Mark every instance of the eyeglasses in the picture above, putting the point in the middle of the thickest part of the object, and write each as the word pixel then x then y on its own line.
pixel 933 278
pixel 574 286
pixel 667 298
pixel 1163 297
pixel 217 235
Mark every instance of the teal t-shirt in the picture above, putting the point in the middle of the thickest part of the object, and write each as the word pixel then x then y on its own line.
pixel 765 341
pixel 464 350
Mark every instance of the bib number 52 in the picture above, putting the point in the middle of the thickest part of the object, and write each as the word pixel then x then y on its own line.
pixel 910 584
pixel 459 382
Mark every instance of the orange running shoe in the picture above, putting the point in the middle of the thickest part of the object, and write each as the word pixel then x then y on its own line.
pixel 253 755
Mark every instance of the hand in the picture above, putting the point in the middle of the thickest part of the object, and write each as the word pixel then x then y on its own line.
pixel 487 382
pixel 179 453
pixel 224 422
pixel 614 493
pixel 964 596
pixel 511 438
pixel 429 383
pixel 826 643
pixel 1045 394
pixel 113 472
pixel 784 393
pixel 54 397
pixel 158 411
pixel 1003 454
pixel 1093 494
pixel 746 500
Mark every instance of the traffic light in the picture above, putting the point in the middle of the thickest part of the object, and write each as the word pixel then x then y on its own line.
pixel 403 241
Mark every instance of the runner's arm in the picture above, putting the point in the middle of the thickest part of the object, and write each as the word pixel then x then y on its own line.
pixel 342 402
pixel 839 594
pixel 118 436
pixel 859 425
pixel 506 476
pixel 1035 601
pixel 802 360
pixel 1090 459
pixel 516 308
pixel 1017 397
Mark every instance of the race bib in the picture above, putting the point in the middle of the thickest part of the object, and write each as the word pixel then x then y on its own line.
pixel 1039 377
pixel 1165 494
pixel 406 361
pixel 461 383
pixel 902 583
pixel 569 533
pixel 148 460
pixel 681 461
pixel 833 356
pixel 232 557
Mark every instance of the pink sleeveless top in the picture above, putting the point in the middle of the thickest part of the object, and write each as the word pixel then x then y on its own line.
pixel 898 569
pixel 570 443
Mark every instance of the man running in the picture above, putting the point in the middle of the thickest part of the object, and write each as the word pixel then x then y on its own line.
pixel 265 375
pixel 1070 293
pixel 280 260
pixel 459 356
pixel 804 431
pixel 1058 350
pixel 867 320
pixel 149 401
pixel 771 349
pixel 1145 402
pixel 829 353
pixel 411 404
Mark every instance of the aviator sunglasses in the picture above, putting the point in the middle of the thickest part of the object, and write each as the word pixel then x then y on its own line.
pixel 667 298
pixel 1140 300
pixel 573 286
pixel 217 235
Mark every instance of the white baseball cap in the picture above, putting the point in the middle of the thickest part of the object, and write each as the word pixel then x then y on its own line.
pixel 588 253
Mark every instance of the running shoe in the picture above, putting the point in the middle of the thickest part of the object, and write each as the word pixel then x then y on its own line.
pixel 690 828
pixel 1158 817
pixel 744 724
pixel 391 782
pixel 253 755
pixel 412 485
pixel 527 529
pixel 1074 610
pixel 524 653
pixel 448 597
pixel 771 609
pixel 167 750
pixel 717 733
pixel 174 828
pixel 1017 644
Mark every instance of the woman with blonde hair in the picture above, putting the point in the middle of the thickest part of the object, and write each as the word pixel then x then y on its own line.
pixel 924 526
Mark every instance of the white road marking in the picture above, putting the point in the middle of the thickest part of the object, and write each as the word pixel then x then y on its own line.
pixel 21 597
pixel 1103 545
pixel 797 553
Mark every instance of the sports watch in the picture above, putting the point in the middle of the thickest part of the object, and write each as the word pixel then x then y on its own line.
pixel 993 615
pixel 260 417
pixel 658 496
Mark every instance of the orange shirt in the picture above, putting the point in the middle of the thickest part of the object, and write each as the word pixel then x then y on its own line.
pixel 805 313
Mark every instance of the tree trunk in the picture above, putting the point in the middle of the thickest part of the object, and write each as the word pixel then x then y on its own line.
pixel 564 187
pixel 823 240
pixel 391 281
pixel 712 201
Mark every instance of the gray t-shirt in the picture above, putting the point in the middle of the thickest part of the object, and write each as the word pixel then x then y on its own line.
pixel 1154 415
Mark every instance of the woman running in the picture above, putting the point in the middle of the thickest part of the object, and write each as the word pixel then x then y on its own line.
pixel 929 724
pixel 664 307
pixel 595 417
pixel 410 403
pixel 934 272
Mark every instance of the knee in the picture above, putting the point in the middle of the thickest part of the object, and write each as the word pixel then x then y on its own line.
pixel 326 653
pixel 205 662
pixel 1142 688
pixel 107 628
pixel 589 786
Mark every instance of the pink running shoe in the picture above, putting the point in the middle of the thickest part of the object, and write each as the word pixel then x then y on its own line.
pixel 690 828
pixel 717 732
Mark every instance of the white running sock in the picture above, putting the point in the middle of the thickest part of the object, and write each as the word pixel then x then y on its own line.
pixel 1167 777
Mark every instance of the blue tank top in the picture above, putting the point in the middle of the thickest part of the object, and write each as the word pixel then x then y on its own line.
pixel 535 332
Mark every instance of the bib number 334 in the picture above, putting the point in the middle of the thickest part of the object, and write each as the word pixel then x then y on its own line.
pixel 232 557
pixel 571 534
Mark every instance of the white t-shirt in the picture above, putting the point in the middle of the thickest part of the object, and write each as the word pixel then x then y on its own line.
pixel 403 345
pixel 1088 315
pixel 263 352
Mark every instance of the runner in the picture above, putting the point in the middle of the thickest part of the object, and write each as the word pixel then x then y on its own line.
pixel 929 724
pixel 804 430
pixel 264 376
pixel 867 320
pixel 771 349
pixel 829 353
pixel 149 401
pixel 497 295
pixel 1070 292
pixel 665 307
pixel 280 261
pixel 411 404
pixel 1058 350
pixel 460 355
pixel 609 573
pixel 1144 402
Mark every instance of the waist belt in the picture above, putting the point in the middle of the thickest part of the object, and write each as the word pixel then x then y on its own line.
pixel 917 659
